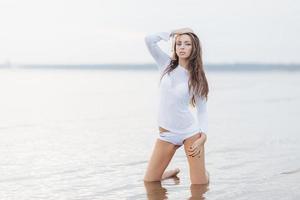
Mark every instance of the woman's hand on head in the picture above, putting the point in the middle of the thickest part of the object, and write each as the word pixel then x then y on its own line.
pixel 181 31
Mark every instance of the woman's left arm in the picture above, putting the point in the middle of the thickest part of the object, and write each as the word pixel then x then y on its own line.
pixel 202 114
pixel 196 148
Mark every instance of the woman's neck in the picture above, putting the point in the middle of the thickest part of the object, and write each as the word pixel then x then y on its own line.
pixel 183 62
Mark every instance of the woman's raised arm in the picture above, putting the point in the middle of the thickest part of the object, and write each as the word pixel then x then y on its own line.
pixel 161 58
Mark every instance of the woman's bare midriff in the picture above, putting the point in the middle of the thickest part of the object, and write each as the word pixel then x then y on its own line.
pixel 162 129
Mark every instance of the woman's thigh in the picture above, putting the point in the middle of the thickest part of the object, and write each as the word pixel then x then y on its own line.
pixel 196 164
pixel 161 156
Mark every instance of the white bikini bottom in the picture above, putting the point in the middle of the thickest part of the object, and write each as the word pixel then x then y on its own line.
pixel 175 138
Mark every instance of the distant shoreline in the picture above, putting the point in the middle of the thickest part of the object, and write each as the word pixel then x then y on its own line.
pixel 208 67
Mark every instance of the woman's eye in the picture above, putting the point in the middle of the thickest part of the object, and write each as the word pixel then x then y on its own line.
pixel 178 44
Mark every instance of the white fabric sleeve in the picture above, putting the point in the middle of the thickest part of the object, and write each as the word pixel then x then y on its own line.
pixel 202 114
pixel 160 57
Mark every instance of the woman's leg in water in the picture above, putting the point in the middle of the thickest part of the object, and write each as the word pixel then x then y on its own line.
pixel 198 173
pixel 161 156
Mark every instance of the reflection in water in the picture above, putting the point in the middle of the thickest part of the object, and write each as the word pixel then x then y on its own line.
pixel 198 191
pixel 156 191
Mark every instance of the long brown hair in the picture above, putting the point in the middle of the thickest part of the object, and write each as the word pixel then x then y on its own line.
pixel 197 80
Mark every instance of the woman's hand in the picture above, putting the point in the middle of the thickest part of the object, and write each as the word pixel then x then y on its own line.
pixel 181 31
pixel 197 146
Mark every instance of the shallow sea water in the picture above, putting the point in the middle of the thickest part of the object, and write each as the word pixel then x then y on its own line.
pixel 88 134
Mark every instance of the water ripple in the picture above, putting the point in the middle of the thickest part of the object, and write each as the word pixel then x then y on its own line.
pixel 291 172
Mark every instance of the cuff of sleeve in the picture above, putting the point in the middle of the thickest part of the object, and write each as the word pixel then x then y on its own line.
pixel 203 129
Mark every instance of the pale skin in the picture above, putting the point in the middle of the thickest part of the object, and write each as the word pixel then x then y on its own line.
pixel 194 146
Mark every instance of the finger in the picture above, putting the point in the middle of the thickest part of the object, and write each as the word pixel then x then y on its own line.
pixel 191 153
pixel 195 152
pixel 191 149
pixel 198 152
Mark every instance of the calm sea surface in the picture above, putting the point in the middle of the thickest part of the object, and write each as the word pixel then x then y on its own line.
pixel 88 134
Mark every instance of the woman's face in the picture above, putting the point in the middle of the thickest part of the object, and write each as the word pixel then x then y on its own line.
pixel 183 46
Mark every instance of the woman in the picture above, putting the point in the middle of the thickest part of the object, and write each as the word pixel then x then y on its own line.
pixel 183 83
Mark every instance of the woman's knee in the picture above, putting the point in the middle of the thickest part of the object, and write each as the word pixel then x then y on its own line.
pixel 151 179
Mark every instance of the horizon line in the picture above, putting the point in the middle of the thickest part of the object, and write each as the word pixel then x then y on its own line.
pixel 145 63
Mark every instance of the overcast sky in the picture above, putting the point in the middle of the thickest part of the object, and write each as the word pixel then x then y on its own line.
pixel 111 31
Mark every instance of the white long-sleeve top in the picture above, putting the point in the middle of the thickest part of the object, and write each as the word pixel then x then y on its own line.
pixel 174 112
